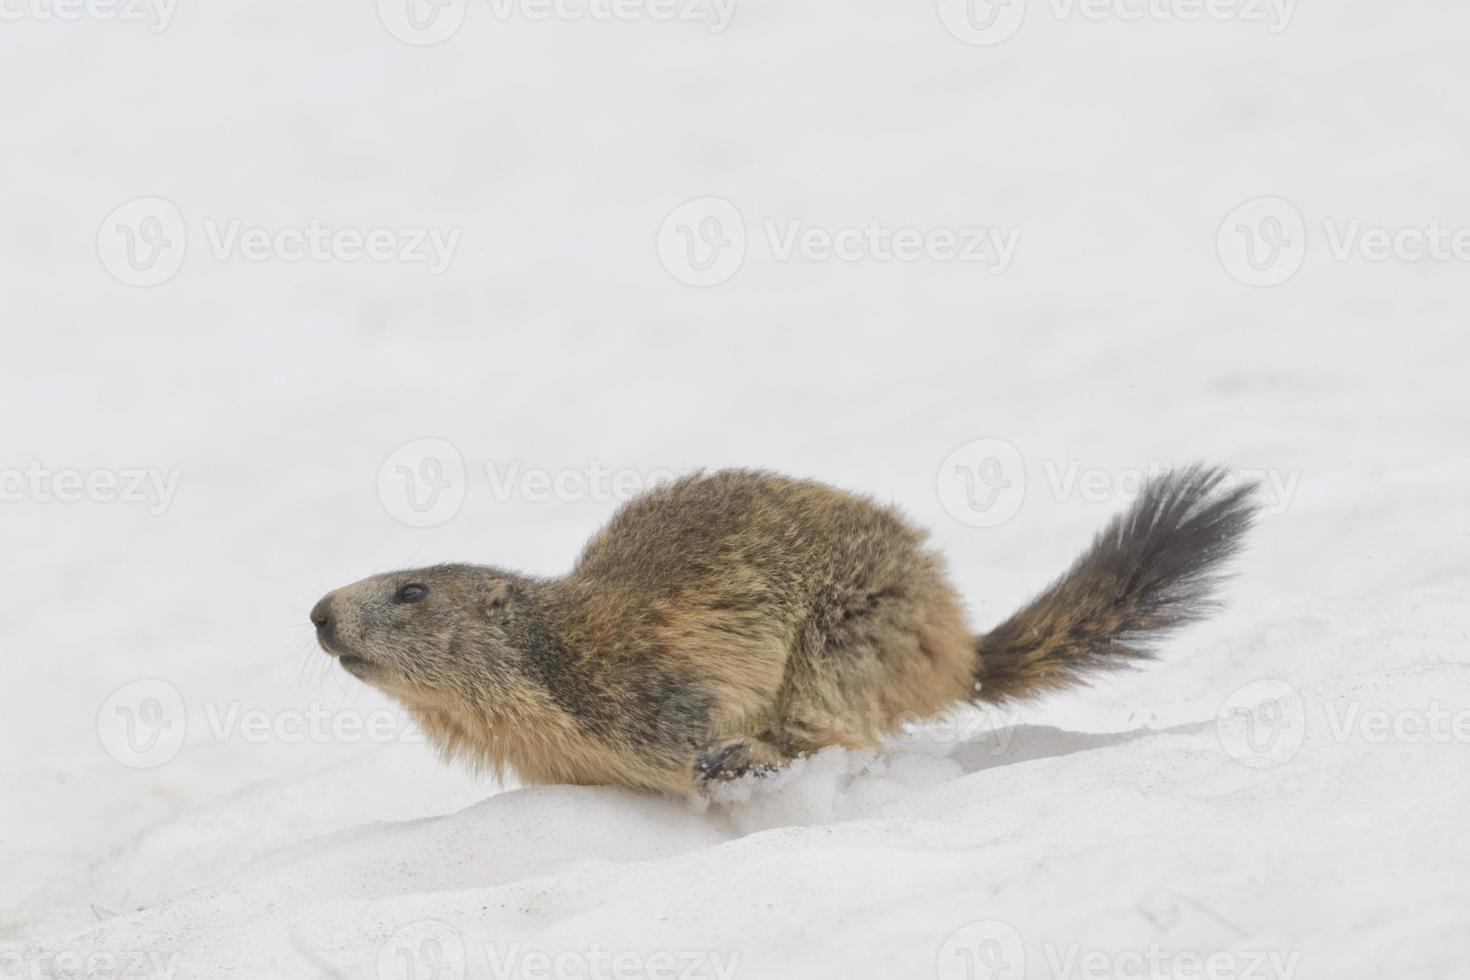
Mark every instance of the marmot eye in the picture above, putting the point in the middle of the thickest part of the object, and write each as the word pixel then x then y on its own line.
pixel 411 593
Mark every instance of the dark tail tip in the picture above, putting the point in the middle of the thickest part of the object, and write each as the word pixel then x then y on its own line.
pixel 1152 569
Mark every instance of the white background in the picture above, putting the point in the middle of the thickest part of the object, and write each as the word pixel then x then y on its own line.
pixel 1116 339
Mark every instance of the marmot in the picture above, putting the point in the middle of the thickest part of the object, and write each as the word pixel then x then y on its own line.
pixel 727 623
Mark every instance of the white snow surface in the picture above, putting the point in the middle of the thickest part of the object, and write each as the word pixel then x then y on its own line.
pixel 1080 833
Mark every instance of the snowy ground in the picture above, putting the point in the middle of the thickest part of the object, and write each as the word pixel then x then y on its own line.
pixel 1284 794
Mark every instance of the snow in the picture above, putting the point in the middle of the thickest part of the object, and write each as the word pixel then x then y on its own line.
pixel 1281 794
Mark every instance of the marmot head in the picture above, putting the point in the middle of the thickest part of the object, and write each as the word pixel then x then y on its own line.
pixel 450 632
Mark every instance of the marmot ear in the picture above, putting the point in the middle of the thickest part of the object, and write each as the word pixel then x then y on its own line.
pixel 495 602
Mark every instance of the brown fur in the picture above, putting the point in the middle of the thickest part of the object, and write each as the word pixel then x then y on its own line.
pixel 731 622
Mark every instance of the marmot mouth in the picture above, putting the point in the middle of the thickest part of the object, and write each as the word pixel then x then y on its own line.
pixel 352 663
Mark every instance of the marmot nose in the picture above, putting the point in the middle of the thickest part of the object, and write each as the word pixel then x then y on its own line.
pixel 321 613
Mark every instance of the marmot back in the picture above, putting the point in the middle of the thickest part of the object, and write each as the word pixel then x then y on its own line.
pixel 792 541
pixel 727 623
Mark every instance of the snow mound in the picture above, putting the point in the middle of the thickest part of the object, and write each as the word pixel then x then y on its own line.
pixel 1238 834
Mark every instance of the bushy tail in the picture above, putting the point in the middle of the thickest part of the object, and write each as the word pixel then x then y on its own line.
pixel 1151 569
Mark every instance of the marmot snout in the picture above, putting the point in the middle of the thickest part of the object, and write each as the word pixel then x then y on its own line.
pixel 727 623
